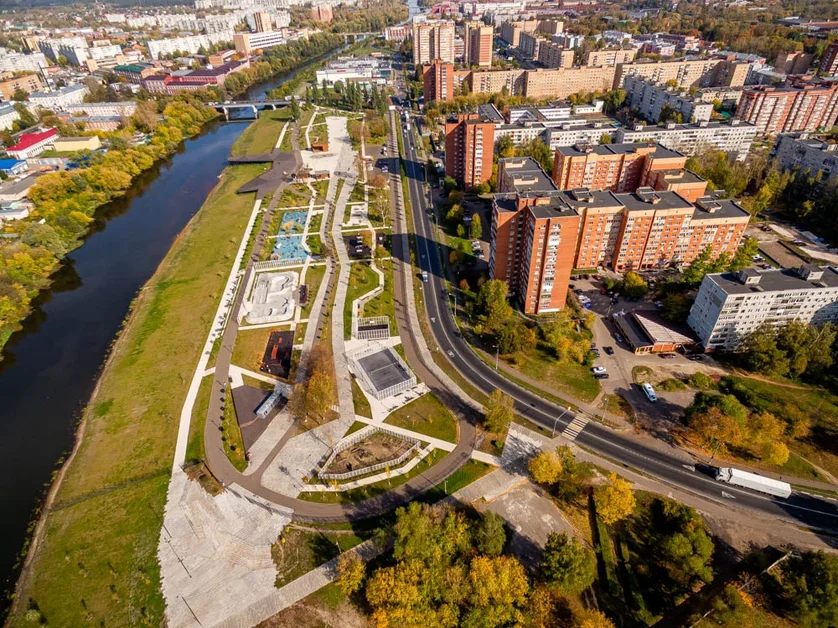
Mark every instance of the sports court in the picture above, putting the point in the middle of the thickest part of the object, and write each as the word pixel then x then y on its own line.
pixel 290 249
pixel 382 371
pixel 272 298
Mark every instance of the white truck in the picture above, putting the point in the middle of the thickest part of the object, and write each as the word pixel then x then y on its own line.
pixel 753 481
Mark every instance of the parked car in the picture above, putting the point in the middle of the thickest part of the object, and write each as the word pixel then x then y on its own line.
pixel 667 356
pixel 695 357
pixel 598 370
pixel 619 338
pixel 608 350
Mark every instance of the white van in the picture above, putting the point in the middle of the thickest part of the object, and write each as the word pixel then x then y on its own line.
pixel 650 392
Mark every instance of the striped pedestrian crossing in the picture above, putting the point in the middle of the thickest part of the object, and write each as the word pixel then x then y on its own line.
pixel 575 427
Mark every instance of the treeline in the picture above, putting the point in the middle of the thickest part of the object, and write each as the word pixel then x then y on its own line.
pixel 280 60
pixel 65 203
pixel 349 96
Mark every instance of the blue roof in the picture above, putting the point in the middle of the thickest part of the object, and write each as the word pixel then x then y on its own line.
pixel 5 164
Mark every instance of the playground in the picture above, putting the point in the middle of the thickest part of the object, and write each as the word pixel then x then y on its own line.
pixel 272 298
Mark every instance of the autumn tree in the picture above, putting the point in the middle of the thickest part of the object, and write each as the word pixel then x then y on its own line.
pixel 499 412
pixel 498 592
pixel 313 398
pixel 614 500
pixel 476 228
pixel 545 468
pixel 633 285
pixel 807 586
pixel 490 534
pixel 567 564
pixel 351 572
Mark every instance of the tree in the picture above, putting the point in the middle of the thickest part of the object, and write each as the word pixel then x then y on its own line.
pixel 43 235
pixel 634 286
pixel 614 500
pixel 567 565
pixel 295 108
pixel 592 618
pixel 476 229
pixel 715 428
pixel 20 94
pixel 605 138
pixel 498 592
pixel 808 588
pixel 505 147
pixel 313 399
pixel 492 303
pixel 351 571
pixel 62 61
pixel 499 412
pixel 745 254
pixel 760 351
pixel 545 468
pixel 449 183
pixel 490 535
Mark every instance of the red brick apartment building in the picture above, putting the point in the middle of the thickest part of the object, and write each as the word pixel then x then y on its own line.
pixel 540 234
pixel 469 146
pixel 799 107
pixel 438 81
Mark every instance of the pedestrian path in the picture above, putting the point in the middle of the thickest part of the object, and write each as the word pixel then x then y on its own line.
pixel 575 427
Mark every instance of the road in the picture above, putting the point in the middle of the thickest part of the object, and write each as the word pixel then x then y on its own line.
pixel 680 472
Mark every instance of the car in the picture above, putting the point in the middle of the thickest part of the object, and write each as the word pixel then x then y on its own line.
pixel 667 356
pixel 608 350
pixel 598 370
pixel 601 376
pixel 619 338
pixel 425 276
pixel 695 357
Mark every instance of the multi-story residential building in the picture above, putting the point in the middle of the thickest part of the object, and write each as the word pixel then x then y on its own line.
pixel 262 22
pixel 797 107
pixel 189 44
pixel 478 40
pixel 652 100
pixel 321 13
pixel 713 72
pixel 578 131
pixel 552 55
pixel 793 62
pixel 247 43
pixel 438 81
pixel 618 167
pixel 469 146
pixel 59 98
pixel 801 152
pixel 496 81
pixel 729 306
pixel 360 70
pixel 9 84
pixel 829 60
pixel 32 144
pixel 534 235
pixel 433 40
pixel 564 82
pixel 529 43
pixel 734 137
pixel 124 108
pixel 510 32
pixel 17 62
pixel 610 56
pixel 8 116
pixel 51 48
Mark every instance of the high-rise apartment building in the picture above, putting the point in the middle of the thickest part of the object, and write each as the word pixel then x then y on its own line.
pixel 729 306
pixel 510 32
pixel 9 84
pixel 713 72
pixel 438 81
pixel 469 146
pixel 799 107
pixel 263 22
pixel 652 101
pixel 829 61
pixel 478 40
pixel 247 43
pixel 793 62
pixel 610 56
pixel 801 152
pixel 618 167
pixel 552 55
pixel 433 40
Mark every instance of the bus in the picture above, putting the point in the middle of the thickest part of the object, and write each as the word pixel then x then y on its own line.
pixel 649 392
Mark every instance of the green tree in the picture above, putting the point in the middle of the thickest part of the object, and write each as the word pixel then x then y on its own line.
pixel 567 564
pixel 808 586
pixel 745 254
pixel 499 412
pixel 492 303
pixel 498 592
pixel 490 535
pixel 634 286
pixel 476 229
pixel 505 147
pixel 295 109
pixel 20 94
pixel 760 351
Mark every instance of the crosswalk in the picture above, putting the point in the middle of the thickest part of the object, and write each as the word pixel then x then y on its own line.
pixel 575 427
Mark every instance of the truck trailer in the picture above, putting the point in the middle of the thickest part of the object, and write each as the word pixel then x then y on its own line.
pixel 753 481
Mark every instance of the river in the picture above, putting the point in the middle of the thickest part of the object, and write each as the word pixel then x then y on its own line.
pixel 50 367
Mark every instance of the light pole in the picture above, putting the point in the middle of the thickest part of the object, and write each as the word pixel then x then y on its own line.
pixel 497 355
pixel 556 420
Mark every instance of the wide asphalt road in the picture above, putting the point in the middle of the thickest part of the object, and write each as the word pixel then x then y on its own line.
pixel 805 510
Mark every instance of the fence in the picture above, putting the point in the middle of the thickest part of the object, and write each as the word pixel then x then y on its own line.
pixel 359 372
pixel 371 327
pixel 357 437
pixel 272 264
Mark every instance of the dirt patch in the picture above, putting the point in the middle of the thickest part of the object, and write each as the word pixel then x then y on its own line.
pixel 374 449
pixel 308 615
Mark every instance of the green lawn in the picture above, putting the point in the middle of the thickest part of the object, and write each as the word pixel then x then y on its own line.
pixel 362 405
pixel 428 416
pixel 298 551
pixel 261 135
pixel 295 195
pixel 250 347
pixel 313 279
pixel 299 333
pixel 564 377
pixel 321 187
pixel 195 444
pixel 383 304
pixel 362 279
pixel 231 435
pixel 465 475
pixel 98 562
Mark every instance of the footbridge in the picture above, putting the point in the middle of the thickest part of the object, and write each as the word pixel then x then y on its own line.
pixel 254 106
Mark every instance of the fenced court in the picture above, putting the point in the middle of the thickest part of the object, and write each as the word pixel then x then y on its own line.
pixel 381 371
pixel 371 327
pixel 289 249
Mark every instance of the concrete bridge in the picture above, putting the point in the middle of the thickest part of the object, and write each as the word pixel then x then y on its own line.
pixel 252 105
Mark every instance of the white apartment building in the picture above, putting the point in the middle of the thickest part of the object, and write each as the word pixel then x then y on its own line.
pixel 733 137
pixel 58 99
pixel 433 40
pixel 363 70
pixel 17 62
pixel 246 43
pixel 53 48
pixel 731 305
pixel 649 100
pixel 801 152
pixel 123 108
pixel 189 44
pixel 8 115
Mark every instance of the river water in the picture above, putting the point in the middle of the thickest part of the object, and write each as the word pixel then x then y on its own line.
pixel 51 366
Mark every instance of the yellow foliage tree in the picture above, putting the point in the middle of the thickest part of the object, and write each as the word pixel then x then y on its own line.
pixel 614 500
pixel 546 467
pixel 351 572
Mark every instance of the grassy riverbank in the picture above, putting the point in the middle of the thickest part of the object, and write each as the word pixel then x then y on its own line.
pixel 97 562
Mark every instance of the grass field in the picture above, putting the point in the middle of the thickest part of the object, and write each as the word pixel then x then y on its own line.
pixel 98 562
pixel 261 135
pixel 195 444
pixel 359 400
pixel 565 377
pixel 250 347
pixel 313 279
pixel 428 416
pixel 362 279
pixel 298 551
pixel 383 304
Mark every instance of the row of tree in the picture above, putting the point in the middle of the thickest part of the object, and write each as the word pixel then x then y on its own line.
pixel 349 96
pixel 794 349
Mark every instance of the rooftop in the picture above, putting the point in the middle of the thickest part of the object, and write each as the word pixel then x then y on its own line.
pixel 647 198
pixel 69 89
pixel 776 280
pixel 30 139
pixel 583 197
pixel 524 176
pixel 16 187
pixel 659 152
pixel 711 208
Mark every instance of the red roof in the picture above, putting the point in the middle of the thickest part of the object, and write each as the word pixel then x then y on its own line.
pixel 30 139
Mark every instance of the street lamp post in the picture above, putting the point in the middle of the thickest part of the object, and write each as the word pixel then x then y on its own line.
pixel 497 355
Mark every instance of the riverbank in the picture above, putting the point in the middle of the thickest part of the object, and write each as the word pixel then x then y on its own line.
pixel 96 559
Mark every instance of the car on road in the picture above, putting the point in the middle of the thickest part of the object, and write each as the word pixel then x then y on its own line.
pixel 609 350
pixel 598 370
pixel 425 276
